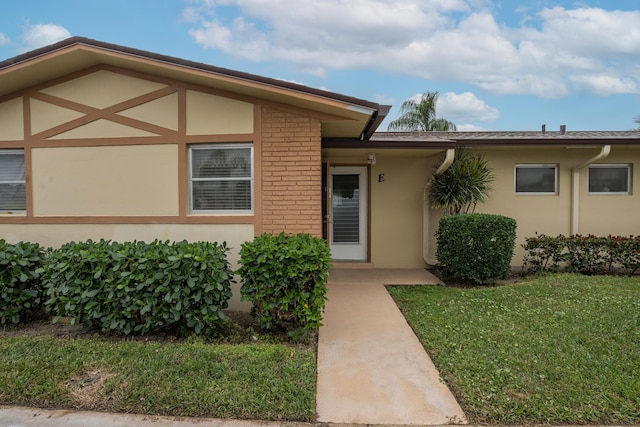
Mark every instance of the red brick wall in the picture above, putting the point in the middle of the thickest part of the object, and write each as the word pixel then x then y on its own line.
pixel 291 173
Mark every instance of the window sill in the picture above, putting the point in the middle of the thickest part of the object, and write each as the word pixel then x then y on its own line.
pixel 214 214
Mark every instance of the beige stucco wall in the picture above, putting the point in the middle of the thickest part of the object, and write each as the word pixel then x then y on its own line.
pixel 547 214
pixel 102 89
pixel 215 115
pixel 103 181
pixel 160 112
pixel 54 235
pixel 45 115
pixel 102 129
pixel 11 121
pixel 603 214
pixel 551 214
pixel 396 206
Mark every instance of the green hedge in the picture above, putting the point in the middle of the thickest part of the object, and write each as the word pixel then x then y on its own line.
pixel 475 247
pixel 582 254
pixel 285 277
pixel 20 288
pixel 137 287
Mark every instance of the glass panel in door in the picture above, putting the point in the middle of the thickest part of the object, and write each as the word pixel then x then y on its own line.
pixel 348 217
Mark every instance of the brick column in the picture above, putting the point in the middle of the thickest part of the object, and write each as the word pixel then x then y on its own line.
pixel 291 173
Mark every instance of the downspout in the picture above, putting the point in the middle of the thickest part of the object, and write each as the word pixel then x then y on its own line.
pixel 575 186
pixel 448 159
pixel 426 235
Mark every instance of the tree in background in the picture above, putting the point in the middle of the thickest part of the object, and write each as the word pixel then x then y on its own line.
pixel 421 116
pixel 463 185
pixel 637 120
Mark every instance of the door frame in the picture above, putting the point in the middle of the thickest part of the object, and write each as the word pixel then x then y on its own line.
pixel 326 205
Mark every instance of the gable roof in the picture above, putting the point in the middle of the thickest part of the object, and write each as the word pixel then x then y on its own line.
pixel 344 116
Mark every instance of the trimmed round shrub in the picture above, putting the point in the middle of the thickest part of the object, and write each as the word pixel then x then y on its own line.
pixel 285 278
pixel 475 248
pixel 20 288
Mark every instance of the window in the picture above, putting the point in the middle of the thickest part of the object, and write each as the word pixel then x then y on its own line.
pixel 221 178
pixel 609 179
pixel 536 179
pixel 13 196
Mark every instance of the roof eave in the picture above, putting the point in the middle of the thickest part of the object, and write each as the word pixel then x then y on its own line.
pixel 242 76
pixel 516 139
pixel 376 120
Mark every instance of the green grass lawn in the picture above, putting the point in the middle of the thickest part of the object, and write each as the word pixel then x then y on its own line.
pixel 267 381
pixel 559 349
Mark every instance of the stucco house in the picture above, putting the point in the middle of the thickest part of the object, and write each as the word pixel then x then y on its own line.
pixel 105 141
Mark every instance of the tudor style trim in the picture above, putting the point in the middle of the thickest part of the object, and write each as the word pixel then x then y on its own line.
pixel 358 117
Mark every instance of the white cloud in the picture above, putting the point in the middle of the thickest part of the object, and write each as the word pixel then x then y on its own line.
pixel 605 84
pixel 465 107
pixel 4 39
pixel 190 14
pixel 591 32
pixel 384 99
pixel 469 128
pixel 548 54
pixel 462 107
pixel 39 35
pixel 324 34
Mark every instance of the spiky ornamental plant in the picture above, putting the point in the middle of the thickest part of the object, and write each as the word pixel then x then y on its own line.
pixel 463 185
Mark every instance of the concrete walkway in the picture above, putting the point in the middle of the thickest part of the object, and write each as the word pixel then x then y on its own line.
pixel 371 367
pixel 34 417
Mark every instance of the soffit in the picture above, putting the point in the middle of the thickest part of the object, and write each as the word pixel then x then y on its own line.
pixel 362 153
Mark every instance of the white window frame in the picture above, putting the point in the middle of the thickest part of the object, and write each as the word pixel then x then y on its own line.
pixel 220 146
pixel 626 166
pixel 536 166
pixel 13 151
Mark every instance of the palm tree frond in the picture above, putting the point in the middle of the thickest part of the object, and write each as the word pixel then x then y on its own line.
pixel 421 116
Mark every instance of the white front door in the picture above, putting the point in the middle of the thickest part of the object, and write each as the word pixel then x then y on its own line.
pixel 348 213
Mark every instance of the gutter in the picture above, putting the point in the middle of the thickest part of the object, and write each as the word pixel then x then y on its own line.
pixel 426 229
pixel 575 186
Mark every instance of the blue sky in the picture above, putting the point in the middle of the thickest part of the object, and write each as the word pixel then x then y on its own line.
pixel 497 64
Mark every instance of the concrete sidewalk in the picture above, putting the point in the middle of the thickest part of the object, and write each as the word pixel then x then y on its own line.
pixel 32 417
pixel 372 369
